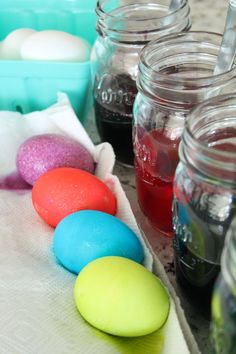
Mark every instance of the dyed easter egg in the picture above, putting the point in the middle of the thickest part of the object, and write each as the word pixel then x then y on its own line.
pixel 62 191
pixel 89 234
pixel 121 297
pixel 45 152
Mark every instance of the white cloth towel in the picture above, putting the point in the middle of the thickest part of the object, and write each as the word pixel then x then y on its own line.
pixel 37 311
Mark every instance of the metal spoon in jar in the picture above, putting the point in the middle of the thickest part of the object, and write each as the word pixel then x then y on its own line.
pixel 174 5
pixel 227 50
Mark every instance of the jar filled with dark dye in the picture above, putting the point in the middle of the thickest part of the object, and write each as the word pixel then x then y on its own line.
pixel 223 325
pixel 204 194
pixel 124 27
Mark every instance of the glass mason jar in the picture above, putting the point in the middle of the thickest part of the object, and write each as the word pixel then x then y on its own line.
pixel 175 74
pixel 223 325
pixel 124 27
pixel 204 194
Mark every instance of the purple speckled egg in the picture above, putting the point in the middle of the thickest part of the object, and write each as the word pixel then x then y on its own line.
pixel 45 152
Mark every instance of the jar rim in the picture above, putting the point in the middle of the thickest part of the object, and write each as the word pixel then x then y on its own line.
pixel 100 12
pixel 205 149
pixel 198 111
pixel 212 119
pixel 163 79
pixel 123 20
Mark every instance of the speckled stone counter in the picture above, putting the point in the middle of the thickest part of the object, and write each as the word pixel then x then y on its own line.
pixel 207 15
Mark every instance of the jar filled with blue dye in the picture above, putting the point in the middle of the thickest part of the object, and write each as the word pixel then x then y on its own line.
pixel 223 325
pixel 204 195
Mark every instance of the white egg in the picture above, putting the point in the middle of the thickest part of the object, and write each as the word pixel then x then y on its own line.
pixel 55 46
pixel 11 46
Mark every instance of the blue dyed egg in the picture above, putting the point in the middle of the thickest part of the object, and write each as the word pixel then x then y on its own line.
pixel 86 235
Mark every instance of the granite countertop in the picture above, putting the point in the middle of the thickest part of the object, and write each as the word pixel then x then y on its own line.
pixel 207 15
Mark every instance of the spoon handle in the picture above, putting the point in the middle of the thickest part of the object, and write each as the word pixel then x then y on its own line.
pixel 228 46
pixel 174 5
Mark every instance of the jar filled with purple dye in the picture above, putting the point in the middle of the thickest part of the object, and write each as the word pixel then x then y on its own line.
pixel 124 27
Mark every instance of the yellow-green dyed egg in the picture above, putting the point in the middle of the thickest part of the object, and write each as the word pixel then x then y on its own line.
pixel 121 297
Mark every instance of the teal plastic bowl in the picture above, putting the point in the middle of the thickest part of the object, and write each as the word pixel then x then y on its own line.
pixel 27 86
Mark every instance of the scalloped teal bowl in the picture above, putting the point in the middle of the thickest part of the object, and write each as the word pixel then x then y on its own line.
pixel 27 86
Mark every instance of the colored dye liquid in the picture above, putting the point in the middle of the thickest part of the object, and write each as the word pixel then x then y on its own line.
pixel 114 98
pixel 197 276
pixel 156 158
pixel 117 133
pixel 202 212
pixel 14 182
pixel 200 227
pixel 150 344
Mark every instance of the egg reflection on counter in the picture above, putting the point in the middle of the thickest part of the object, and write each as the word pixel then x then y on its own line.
pixel 121 297
pixel 48 45
pixel 89 234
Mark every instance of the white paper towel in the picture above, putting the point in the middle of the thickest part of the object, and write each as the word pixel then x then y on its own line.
pixel 37 312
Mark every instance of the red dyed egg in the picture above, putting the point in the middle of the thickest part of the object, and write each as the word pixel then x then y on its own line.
pixel 62 191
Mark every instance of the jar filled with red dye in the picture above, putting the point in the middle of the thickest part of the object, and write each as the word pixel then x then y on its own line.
pixel 124 27
pixel 175 74
pixel 205 193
